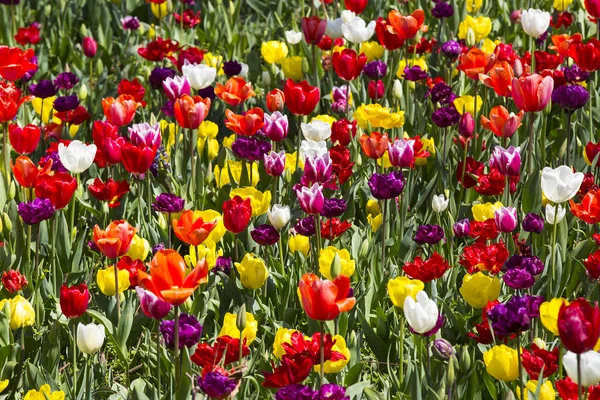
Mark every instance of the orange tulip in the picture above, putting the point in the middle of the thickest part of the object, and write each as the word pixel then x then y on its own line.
pixel 235 91
pixel 476 62
pixel 501 122
pixel 589 209
pixel 191 230
pixel 191 111
pixel 407 26
pixel 324 300
pixel 167 278
pixel 499 78
pixel 116 239
pixel 561 43
pixel 247 124
pixel 25 171
pixel 120 111
pixel 374 145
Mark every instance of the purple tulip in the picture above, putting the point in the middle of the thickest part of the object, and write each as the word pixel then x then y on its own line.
pixel 441 93
pixel 250 148
pixel 317 169
pixel 339 97
pixel 506 219
pixel 443 348
pixel 66 80
pixel 145 134
pixel 331 391
pixel 190 331
pixel 386 186
pixel 274 163
pixel 574 74
pixel 445 117
pixel 232 68
pixel 515 315
pixel 375 69
pixel 442 9
pixel 223 264
pixel 36 211
pixel 216 385
pixel 265 235
pixel 129 22
pixel 414 73
pixel 451 49
pixel 533 223
pixel 151 305
pixel 176 87
pixel 570 97
pixel 333 208
pixel 507 161
pixel 207 93
pixel 462 228
pixel 296 392
pixel 305 226
pixel 520 271
pixel 168 203
pixel 430 234
pixel 276 126
pixel 401 152
pixel 311 198
pixel 157 247
pixel 43 89
pixel 66 103
pixel 159 75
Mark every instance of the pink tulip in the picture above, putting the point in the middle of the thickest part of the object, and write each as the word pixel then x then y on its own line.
pixel 532 93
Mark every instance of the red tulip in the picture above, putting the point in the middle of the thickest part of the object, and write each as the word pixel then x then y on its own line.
pixel 313 29
pixel 235 91
pixel 111 191
pixel 342 131
pixel 58 188
pixel 579 326
pixel 28 35
pixel 236 214
pixel 75 117
pixel 376 90
pixel 593 7
pixel 586 56
pixel 342 167
pixel 132 267
pixel 10 100
pixel 120 111
pixel 475 62
pixel 14 62
pixel 133 88
pixel 25 171
pixel 24 140
pixel 301 98
pixel 13 281
pixel 74 300
pixel 333 228
pixel 388 36
pixel 191 111
pixel 137 159
pixel 347 64
pixel 109 143
pixel 426 270
pixel 561 43
pixel 115 240
pixel 356 6
pixel 499 78
pixel 407 26
pixel 532 93
pixel 89 46
pixel 247 124
pixel 374 145
pixel 324 300
pixel 275 100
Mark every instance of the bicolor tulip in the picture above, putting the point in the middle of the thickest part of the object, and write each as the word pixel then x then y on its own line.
pixel 324 300
pixel 115 240
pixel 192 229
pixel 120 111
pixel 502 123
pixel 532 93
pixel 191 111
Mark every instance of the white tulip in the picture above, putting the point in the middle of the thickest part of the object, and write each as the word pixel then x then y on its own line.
pixel 357 30
pixel 334 28
pixel 279 215
pixel 561 183
pixel 590 367
pixel 90 338
pixel 244 71
pixel 535 22
pixel 77 156
pixel 439 203
pixel 397 89
pixel 310 148
pixel 316 130
pixel 422 315
pixel 200 76
pixel 347 16
pixel 551 218
pixel 293 37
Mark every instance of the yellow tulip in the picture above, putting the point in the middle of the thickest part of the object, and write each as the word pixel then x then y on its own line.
pixel 478 289
pixel 377 116
pixel 260 200
pixel 549 313
pixel 333 367
pixel 290 162
pixel 325 118
pixel 467 104
pixel 489 46
pixel 484 211
pixel 45 393
pixel 561 5
pixel 375 222
pixel 428 145
pixel 106 281
pixel 228 141
pixel 214 61
pixel 3 385
pixel 502 363
pixel 168 129
pixel 219 230
pixel 22 313
pixel 213 147
pixel 547 392
pixel 273 51
pixel 401 287
pixel 481 26
pixel 48 103
pixel 230 329
pixel 235 169
pixel 372 50
pixel 161 10
pixel 253 271
pixel 420 62
pixel 207 251
pixel 140 248
pixel 474 5
pixel 292 68
pixel 326 257
pixel 282 336
pixel 384 161
pixel 208 130
pixel 299 243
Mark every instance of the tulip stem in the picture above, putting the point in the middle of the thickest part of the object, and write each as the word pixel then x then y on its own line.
pixel 567 152
pixel 117 296
pixel 318 240
pixel 322 358
pixel 591 86
pixel 401 357
pixel 522 393
pixel 6 151
pixel 530 144
pixel 88 380
pixel 553 271
pixel 383 223
pixel 579 385
pixel 74 361
pixel 176 345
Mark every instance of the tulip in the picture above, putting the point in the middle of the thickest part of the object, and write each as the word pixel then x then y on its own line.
pixel 324 300
pixel 74 300
pixel 401 153
pixel 549 311
pixel 329 256
pixel 560 184
pixel 502 123
pixel 356 6
pixel 533 223
pixel 13 281
pixel 316 130
pixel 461 228
pixel 579 325
pixel 475 62
pixel 301 98
pixel 593 8
pixel 120 111
pixel 507 161
pixel 400 288
pixel 77 156
pixel 235 91
pixel 200 76
pixel 191 111
pixel 532 93
pixel 499 78
pixel 25 171
pixel 274 163
pixel 293 37
pixel 230 328
pixel 356 30
pixel 15 63
pixel 589 365
pixel 586 55
pixel 374 145
pixel 253 271
pixel 275 99
pixel 112 281
pixel 58 188
pixel 279 215
pixel 21 313
pixel 407 26
pixel 479 289
pixel 191 229
pixel 90 338
pixel 115 240
pixel 376 90
pixel 311 198
pixel 347 64
pixel 309 148
pixel 422 314
pixel 313 29
pixel 535 22
pixel 151 305
pixel 260 201
pixel 386 186
pixel 439 203
pixel 137 160
pixel 506 219
pixel 236 214
pixel 588 211
pixel 317 169
pixel 24 140
pixel 502 363
pixel 247 124
pixel 89 46
pixel 275 126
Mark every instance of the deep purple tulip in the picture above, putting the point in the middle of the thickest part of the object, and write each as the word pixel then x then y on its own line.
pixel 451 49
pixel 305 226
pixel 375 69
pixel 157 247
pixel 265 235
pixel 333 208
pixel 515 315
pixel 386 186
pixel 250 148
pixel 441 93
pixel 66 80
pixel 190 331
pixel 232 68
pixel 168 203
pixel 415 73
pixel 223 264
pixel 151 305
pixel 207 92
pixel 442 9
pixel 430 234
pixel 520 271
pixel 36 211
pixel 216 385
pixel 158 76
pixel 533 223
pixel 331 391
pixel 296 392
pixel 66 103
pixel 129 22
pixel 43 89
pixel 574 74
pixel 445 117
pixel 462 228
pixel 570 97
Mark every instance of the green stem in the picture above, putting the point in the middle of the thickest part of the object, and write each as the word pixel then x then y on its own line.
pixel 401 357
pixel 158 357
pixel 74 361
pixel 88 380
pixel 579 385
pixel 117 294
pixel 553 271
pixel 176 358
pixel 318 240
pixel 383 224
pixel 530 145
pixel 522 394
pixel 6 151
pixel 322 356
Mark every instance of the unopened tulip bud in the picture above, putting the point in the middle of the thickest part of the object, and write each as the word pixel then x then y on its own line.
pixel 464 361
pixel 443 349
pixel 90 338
pixel 466 126
pixel 162 222
pixel 240 320
pixel 336 267
pixel 450 375
pixel 515 17
pixel 397 89
pixel 12 190
pixel 470 40
pixel 266 78
pixel 364 248
pixel 90 47
pixel 83 92
pixel 7 222
pixel 73 234
pixel 517 68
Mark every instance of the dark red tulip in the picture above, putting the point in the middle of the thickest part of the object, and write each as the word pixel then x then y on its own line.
pixel 347 64
pixel 301 98
pixel 74 300
pixel 356 6
pixel 313 29
pixel 13 281
pixel 236 214
pixel 579 325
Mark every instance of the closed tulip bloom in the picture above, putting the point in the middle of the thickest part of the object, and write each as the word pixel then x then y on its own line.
pixel 275 126
pixel 439 203
pixel 192 229
pixel 317 169
pixel 401 153
pixel 316 130
pixel 347 64
pixel 21 314
pixel 502 363
pixel 561 183
pixel 274 163
pixel 402 287
pixel 579 325
pixel 507 161
pixel 191 111
pixel 115 240
pixel 374 145
pixel 311 198
pixel 138 159
pixel 313 29
pixel 235 91
pixel 293 37
pixel 237 213
pixel 89 47
pixel 501 122
pixel 275 99
pixel 105 279
pixel 200 76
pixel 58 188
pixel 386 186
pixel 466 125
pixel 145 134
pixel 593 7
pixel 590 367
pixel 176 87
pixel 506 219
pixel 139 249
pixel 553 217
pixel 151 305
pixel 479 289
pixel 77 156
pixel 90 338
pixel 532 93
pixel 535 22
pixel 422 314
pixel 309 148
pixel 279 215
pixel 324 300
pixel 462 228
pixel 24 140
pixel 533 223
pixel 120 111
pixel 253 271
pixel 301 98
pixel 74 300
